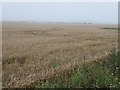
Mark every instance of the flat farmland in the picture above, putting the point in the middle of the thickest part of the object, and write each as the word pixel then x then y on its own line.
pixel 34 52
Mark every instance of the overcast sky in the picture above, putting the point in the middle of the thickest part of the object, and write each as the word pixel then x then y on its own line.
pixel 61 12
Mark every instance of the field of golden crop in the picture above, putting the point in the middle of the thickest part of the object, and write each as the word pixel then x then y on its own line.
pixel 33 52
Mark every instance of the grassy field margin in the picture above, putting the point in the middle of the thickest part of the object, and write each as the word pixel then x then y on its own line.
pixel 104 74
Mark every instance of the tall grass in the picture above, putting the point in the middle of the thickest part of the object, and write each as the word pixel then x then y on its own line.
pixel 104 74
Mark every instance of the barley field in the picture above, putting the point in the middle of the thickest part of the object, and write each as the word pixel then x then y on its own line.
pixel 35 52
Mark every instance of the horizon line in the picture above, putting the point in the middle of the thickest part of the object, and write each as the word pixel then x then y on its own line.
pixel 57 22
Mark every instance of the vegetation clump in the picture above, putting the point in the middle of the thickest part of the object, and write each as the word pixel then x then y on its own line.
pixel 104 74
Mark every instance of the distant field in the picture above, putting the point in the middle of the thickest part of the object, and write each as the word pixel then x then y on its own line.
pixel 35 52
pixel 112 28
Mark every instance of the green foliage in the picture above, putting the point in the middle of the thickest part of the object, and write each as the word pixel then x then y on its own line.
pixel 97 75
